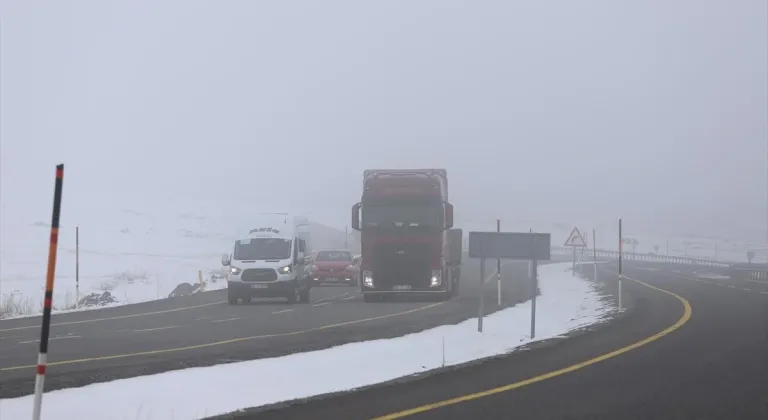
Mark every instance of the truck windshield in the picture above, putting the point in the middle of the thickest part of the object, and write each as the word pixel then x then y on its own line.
pixel 333 256
pixel 262 249
pixel 402 215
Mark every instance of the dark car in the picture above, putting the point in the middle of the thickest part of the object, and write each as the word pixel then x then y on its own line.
pixel 334 267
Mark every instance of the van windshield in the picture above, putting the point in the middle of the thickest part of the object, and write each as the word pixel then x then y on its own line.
pixel 262 249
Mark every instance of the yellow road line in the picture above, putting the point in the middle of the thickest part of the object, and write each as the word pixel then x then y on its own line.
pixel 86 321
pixel 469 397
pixel 222 342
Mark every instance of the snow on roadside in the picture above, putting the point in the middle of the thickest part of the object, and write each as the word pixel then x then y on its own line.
pixel 566 303
pixel 134 256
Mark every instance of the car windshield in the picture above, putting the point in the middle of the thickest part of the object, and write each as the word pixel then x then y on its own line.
pixel 262 249
pixel 333 256
pixel 402 215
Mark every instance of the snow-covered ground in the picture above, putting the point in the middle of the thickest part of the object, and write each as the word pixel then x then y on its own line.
pixel 566 303
pixel 135 256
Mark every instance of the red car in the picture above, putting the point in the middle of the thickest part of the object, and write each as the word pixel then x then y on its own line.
pixel 334 267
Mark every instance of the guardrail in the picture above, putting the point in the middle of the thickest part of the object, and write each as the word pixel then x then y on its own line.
pixel 649 257
pixel 747 271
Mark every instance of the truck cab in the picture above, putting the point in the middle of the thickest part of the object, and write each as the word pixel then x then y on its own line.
pixel 404 217
pixel 269 262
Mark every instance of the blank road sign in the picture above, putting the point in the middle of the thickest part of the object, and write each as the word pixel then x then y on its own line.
pixel 509 245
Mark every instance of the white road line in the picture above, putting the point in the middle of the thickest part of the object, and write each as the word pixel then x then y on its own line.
pixel 51 338
pixel 225 320
pixel 156 329
pixel 350 298
pixel 714 283
pixel 203 318
pixel 321 304
pixel 282 312
pixel 11 336
pixel 329 298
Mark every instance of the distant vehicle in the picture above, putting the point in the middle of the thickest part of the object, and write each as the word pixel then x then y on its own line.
pixel 270 261
pixel 334 267
pixel 407 241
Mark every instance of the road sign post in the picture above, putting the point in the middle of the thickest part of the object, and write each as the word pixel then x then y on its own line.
pixel 535 283
pixel 498 268
pixel 42 357
pixel 480 297
pixel 506 245
pixel 594 251
pixel 621 257
pixel 77 266
pixel 575 240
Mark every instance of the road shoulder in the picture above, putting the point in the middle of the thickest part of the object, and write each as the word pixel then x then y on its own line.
pixel 628 327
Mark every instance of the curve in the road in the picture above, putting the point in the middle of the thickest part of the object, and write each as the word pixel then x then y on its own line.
pixel 519 384
pixel 225 342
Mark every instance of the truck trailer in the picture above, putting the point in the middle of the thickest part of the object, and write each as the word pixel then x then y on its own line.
pixel 408 246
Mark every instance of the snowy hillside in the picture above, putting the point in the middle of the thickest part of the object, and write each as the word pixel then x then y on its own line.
pixel 134 255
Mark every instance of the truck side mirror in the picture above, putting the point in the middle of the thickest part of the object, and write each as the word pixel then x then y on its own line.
pixel 356 216
pixel 225 260
pixel 448 215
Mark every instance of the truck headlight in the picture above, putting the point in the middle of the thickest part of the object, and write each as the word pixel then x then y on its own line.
pixel 284 270
pixel 436 278
pixel 234 270
pixel 368 278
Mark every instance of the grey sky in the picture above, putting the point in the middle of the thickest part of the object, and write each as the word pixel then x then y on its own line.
pixel 655 110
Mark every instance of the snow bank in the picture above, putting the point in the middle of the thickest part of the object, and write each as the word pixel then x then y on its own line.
pixel 135 256
pixel 566 303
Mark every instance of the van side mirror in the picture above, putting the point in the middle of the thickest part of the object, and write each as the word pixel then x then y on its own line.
pixel 448 215
pixel 225 260
pixel 356 216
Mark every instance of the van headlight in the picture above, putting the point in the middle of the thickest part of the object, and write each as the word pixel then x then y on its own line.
pixel 284 270
pixel 234 270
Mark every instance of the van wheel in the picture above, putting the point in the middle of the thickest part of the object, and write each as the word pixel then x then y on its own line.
pixel 294 296
pixel 231 297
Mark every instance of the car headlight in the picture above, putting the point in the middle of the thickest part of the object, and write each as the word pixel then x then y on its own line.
pixel 234 270
pixel 284 270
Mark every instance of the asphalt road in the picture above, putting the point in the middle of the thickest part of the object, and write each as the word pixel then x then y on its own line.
pixel 709 363
pixel 202 330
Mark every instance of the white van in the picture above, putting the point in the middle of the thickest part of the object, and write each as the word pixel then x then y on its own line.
pixel 269 261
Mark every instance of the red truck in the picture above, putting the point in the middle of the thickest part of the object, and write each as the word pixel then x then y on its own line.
pixel 407 241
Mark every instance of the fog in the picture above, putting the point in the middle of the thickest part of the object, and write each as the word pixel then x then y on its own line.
pixel 656 111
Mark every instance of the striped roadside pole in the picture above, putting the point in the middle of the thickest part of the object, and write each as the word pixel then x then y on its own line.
pixel 47 303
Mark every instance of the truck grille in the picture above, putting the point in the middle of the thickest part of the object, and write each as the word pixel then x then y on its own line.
pixel 402 264
pixel 259 274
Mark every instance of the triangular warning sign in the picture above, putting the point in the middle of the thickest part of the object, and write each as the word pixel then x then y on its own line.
pixel 575 239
